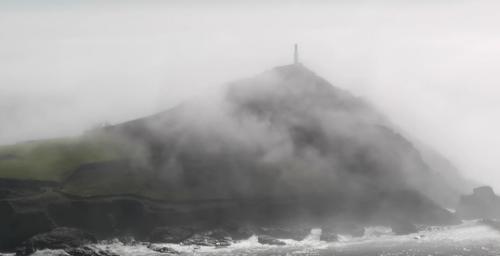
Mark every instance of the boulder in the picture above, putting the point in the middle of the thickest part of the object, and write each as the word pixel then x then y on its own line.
pixel 265 239
pixel 59 238
pixel 170 234
pixel 483 203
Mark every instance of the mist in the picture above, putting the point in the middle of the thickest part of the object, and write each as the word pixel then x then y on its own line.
pixel 429 67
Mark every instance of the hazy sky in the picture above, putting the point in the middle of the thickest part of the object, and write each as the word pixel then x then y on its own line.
pixel 431 66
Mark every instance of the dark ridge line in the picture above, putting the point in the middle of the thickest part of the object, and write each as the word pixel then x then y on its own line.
pixel 188 201
pixel 27 182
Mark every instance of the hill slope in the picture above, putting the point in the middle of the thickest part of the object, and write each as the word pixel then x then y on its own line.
pixel 284 148
pixel 286 132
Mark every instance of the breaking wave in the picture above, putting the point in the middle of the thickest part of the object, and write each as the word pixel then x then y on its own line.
pixel 468 238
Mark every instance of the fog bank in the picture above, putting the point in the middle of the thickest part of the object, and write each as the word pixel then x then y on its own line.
pixel 430 67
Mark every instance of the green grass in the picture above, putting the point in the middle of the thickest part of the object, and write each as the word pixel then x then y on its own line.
pixel 55 159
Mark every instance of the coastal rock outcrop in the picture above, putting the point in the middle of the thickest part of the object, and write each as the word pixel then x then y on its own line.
pixel 482 203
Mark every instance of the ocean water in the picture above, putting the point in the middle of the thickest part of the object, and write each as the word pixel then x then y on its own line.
pixel 469 238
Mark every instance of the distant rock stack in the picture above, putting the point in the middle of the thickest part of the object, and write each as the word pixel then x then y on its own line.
pixel 483 203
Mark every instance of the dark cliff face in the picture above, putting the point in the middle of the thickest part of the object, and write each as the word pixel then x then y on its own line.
pixel 284 133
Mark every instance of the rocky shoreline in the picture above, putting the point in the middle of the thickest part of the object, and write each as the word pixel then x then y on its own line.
pixel 36 216
pixel 80 243
pixel 30 220
pixel 24 222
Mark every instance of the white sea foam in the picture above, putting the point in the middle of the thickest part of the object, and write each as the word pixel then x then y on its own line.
pixel 314 236
pixel 377 231
pixel 248 243
pixel 48 252
pixel 468 233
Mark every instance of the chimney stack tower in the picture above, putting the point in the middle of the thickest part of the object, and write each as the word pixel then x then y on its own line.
pixel 296 54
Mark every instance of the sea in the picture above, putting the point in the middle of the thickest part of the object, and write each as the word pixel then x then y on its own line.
pixel 468 238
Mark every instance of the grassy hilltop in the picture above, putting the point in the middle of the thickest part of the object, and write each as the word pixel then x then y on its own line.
pixel 90 165
pixel 54 159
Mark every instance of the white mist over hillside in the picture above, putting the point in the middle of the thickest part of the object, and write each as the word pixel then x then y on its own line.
pixel 430 67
